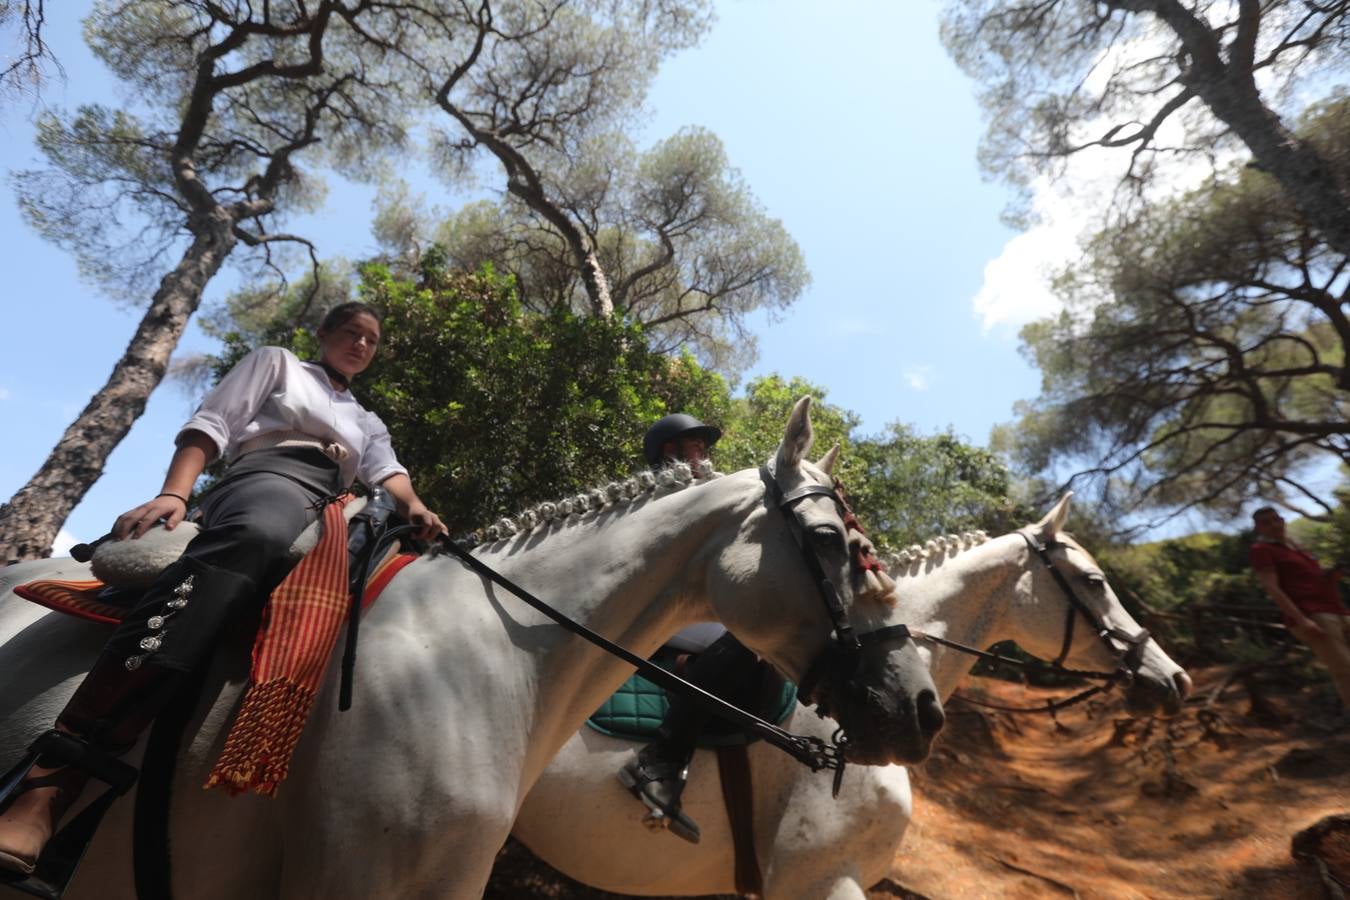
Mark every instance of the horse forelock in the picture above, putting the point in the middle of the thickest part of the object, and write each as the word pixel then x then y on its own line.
pixel 616 496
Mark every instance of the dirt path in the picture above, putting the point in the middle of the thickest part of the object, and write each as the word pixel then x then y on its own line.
pixel 1202 806
pixel 1011 807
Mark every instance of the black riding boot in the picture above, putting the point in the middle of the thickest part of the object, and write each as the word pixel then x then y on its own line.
pixel 658 776
pixel 166 636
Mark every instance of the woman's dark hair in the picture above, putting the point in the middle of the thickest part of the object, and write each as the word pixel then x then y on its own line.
pixel 344 312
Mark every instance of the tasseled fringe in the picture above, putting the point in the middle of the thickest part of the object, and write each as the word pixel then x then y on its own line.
pixel 257 753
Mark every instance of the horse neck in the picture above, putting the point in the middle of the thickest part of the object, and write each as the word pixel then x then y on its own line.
pixel 634 573
pixel 966 598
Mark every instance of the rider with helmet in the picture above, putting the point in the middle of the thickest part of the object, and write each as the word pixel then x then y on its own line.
pixel 723 667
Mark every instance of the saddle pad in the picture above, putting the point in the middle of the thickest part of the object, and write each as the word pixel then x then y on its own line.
pixel 87 599
pixel 81 599
pixel 636 711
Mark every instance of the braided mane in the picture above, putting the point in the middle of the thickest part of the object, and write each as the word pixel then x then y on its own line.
pixel 610 495
pixel 617 495
pixel 907 561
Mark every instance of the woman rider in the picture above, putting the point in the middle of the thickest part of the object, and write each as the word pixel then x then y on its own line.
pixel 294 436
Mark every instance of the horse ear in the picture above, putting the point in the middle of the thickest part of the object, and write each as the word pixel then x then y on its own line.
pixel 1054 520
pixel 797 437
pixel 827 461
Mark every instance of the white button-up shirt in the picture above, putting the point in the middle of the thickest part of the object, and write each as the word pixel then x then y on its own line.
pixel 271 390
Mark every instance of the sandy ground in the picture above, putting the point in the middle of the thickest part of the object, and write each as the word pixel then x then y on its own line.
pixel 1203 805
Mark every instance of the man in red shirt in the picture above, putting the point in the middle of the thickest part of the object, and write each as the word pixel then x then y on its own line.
pixel 1307 595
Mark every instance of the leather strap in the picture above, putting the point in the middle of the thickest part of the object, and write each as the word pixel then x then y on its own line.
pixel 738 795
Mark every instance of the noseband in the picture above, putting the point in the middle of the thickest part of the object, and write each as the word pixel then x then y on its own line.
pixel 1129 659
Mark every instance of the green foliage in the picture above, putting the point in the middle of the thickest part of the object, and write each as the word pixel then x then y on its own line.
pixel 493 408
pixel 754 428
pixel 916 487
pixel 903 486
pixel 1203 587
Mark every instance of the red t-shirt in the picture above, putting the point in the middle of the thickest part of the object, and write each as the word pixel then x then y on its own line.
pixel 1300 576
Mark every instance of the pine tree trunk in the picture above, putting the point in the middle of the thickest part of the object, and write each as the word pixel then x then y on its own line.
pixel 1304 175
pixel 29 522
pixel 1228 88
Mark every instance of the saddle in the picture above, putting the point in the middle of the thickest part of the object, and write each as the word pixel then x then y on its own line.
pixel 636 710
pixel 124 570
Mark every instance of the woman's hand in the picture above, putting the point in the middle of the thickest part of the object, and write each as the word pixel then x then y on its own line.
pixel 411 507
pixel 429 524
pixel 138 521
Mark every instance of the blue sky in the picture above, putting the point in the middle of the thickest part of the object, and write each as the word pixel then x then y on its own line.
pixel 847 120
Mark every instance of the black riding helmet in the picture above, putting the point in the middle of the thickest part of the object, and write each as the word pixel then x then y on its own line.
pixel 673 427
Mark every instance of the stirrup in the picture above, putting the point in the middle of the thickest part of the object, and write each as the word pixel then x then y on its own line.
pixel 661 817
pixel 60 858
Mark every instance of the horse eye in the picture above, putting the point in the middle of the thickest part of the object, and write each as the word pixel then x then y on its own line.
pixel 826 535
pixel 1096 580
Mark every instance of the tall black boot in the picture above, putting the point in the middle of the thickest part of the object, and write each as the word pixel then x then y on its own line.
pixel 658 777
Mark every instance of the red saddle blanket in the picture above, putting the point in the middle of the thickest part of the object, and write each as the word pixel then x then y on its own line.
pixel 81 598
pixel 299 630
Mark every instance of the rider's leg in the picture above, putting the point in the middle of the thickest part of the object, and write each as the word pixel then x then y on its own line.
pixel 225 573
pixel 108 711
pixel 726 669
pixel 127 686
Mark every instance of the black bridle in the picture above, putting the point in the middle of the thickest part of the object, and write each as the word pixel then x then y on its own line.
pixel 842 658
pixel 1131 657
pixel 1127 648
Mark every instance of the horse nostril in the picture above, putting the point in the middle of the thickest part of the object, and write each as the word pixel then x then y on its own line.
pixel 1183 683
pixel 931 716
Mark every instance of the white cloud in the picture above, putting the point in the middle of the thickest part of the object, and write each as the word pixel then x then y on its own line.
pixel 4 393
pixel 1016 287
pixel 917 377
pixel 64 541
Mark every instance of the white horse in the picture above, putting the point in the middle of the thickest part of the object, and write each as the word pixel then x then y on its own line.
pixel 580 820
pixel 463 693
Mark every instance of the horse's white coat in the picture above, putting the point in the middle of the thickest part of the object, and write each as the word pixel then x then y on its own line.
pixel 463 693
pixel 580 820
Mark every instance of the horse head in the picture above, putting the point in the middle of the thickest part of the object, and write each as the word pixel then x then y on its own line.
pixel 1086 626
pixel 828 619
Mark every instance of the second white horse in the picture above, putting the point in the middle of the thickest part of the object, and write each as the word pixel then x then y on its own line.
pixel 810 846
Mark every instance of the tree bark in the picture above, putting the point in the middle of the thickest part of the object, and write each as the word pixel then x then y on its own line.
pixel 29 522
pixel 1229 89
pixel 1297 166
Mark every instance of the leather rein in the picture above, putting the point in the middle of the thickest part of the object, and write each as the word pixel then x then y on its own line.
pixel 806 749
pixel 1130 657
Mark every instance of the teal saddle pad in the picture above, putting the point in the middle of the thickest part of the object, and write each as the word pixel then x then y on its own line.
pixel 637 708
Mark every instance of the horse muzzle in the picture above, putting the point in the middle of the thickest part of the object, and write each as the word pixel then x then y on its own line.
pixel 886 702
pixel 1157 695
